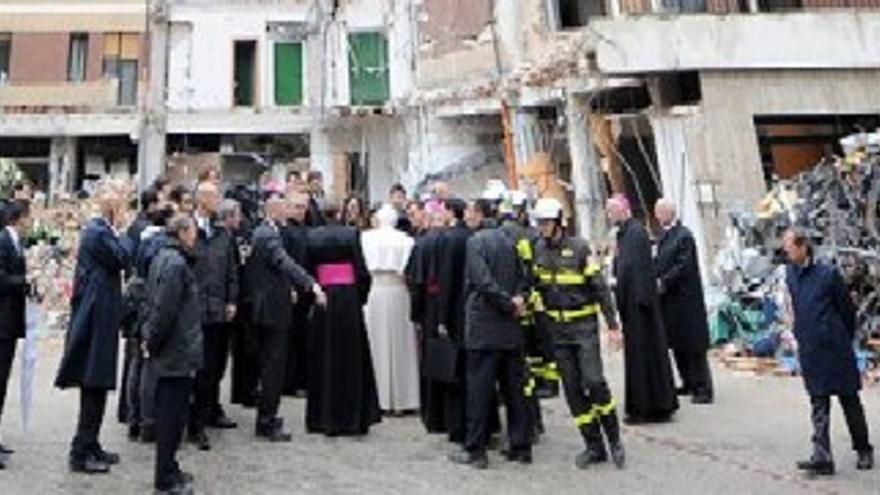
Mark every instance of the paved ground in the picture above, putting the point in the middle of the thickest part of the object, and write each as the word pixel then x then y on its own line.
pixel 746 443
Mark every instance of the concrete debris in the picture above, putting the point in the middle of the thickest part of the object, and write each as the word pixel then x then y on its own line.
pixel 836 203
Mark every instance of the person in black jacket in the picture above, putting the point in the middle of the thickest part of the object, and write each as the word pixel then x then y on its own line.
pixel 681 301
pixel 13 295
pixel 173 346
pixel 217 277
pixel 496 283
pixel 274 274
pixel 295 235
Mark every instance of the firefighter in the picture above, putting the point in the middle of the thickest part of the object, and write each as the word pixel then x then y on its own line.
pixel 571 292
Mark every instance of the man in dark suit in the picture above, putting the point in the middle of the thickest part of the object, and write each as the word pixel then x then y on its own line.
pixel 682 303
pixel 91 349
pixel 13 294
pixel 274 276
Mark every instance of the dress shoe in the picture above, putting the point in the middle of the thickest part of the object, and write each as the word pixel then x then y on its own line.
pixel 589 457
pixel 178 489
pixel 89 464
pixel 223 422
pixel 134 432
pixel 273 430
pixel 520 456
pixel 185 478
pixel 682 391
pixel 5 450
pixel 109 458
pixel 818 468
pixel 2 463
pixel 702 399
pixel 618 454
pixel 866 460
pixel 200 440
pixel 477 460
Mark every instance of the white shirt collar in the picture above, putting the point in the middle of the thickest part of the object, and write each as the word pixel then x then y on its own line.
pixel 14 235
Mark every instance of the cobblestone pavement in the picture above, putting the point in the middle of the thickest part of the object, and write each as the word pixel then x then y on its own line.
pixel 746 443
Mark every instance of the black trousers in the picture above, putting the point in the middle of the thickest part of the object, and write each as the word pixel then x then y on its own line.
pixel 855 422
pixel 206 391
pixel 694 371
pixel 92 404
pixel 273 365
pixel 485 369
pixel 7 357
pixel 245 360
pixel 172 402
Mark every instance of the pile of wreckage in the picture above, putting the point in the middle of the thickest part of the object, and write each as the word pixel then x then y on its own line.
pixel 836 202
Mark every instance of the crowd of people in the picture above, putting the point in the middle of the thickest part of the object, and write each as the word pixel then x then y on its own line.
pixel 443 307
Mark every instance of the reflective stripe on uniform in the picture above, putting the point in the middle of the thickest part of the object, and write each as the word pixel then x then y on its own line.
pixel 564 277
pixel 524 249
pixel 605 409
pixel 592 270
pixel 567 315
pixel 529 389
pixel 584 419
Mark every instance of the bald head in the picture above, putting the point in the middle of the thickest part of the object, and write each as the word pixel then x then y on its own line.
pixel 665 212
pixel 618 209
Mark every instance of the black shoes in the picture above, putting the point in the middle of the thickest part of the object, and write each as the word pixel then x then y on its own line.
pixel 109 458
pixel 5 450
pixel 702 399
pixel 618 454
pixel 866 460
pixel 89 464
pixel 148 433
pixel 589 457
pixel 273 430
pixel 519 456
pixel 477 460
pixel 682 391
pixel 817 468
pixel 200 440
pixel 177 489
pixel 223 422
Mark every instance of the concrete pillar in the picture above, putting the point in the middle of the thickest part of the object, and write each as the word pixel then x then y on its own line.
pixel 586 176
pixel 151 149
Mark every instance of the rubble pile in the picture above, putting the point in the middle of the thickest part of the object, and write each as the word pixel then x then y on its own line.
pixel 836 202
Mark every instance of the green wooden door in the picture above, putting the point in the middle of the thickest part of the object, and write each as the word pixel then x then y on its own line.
pixel 288 74
pixel 368 66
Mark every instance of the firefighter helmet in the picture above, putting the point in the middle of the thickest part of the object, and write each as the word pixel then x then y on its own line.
pixel 548 209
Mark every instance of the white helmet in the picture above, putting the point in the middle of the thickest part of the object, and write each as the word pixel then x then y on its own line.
pixel 495 190
pixel 518 199
pixel 547 209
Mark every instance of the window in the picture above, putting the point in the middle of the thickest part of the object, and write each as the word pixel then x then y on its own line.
pixel 121 54
pixel 5 52
pixel 77 57
pixel 576 13
pixel 368 66
pixel 244 85
pixel 288 74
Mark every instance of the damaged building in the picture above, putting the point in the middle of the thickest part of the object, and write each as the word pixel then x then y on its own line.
pixel 708 102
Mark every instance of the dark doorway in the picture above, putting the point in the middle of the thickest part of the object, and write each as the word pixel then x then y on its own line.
pixel 245 73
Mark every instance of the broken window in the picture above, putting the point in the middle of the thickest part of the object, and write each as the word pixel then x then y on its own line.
pixel 77 57
pixel 288 74
pixel 368 67
pixel 121 54
pixel 576 13
pixel 244 91
pixel 5 53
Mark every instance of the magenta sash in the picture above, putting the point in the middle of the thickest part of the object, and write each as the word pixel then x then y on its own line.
pixel 331 274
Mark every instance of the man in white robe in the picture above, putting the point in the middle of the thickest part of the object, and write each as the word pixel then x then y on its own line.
pixel 393 339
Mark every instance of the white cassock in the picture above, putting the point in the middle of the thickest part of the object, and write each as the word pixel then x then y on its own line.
pixel 392 336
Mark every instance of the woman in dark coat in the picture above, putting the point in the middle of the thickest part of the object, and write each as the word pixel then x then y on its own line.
pixel 92 342
pixel 649 388
pixel 342 395
pixel 824 325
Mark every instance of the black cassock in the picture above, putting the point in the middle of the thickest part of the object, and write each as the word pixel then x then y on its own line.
pixel 296 237
pixel 452 302
pixel 342 395
pixel 423 276
pixel 650 390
